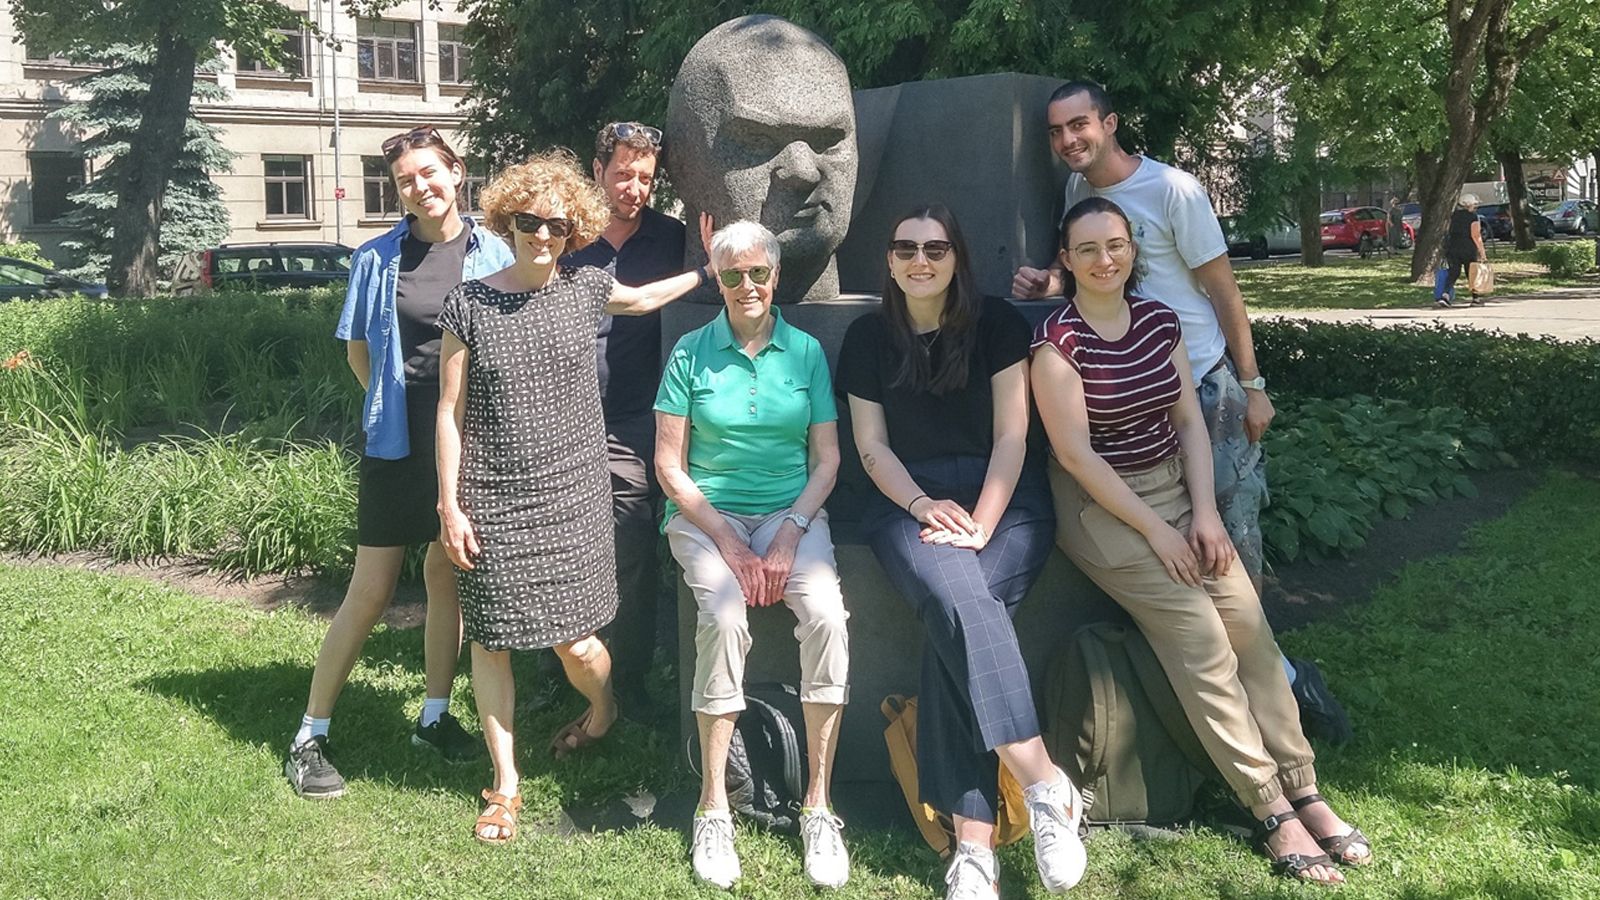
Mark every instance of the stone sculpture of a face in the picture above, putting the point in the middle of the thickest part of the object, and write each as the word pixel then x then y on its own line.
pixel 761 125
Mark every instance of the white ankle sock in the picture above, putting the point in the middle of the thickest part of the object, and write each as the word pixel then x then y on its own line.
pixel 432 709
pixel 309 728
pixel 1288 669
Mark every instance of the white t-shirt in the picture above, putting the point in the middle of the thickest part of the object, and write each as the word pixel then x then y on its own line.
pixel 1177 232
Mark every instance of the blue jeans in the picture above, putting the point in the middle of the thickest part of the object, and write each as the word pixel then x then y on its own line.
pixel 1239 467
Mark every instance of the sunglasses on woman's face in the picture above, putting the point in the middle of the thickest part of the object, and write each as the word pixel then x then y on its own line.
pixel 732 278
pixel 528 223
pixel 933 250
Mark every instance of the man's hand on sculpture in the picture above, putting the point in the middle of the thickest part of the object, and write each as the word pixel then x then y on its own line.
pixel 1031 283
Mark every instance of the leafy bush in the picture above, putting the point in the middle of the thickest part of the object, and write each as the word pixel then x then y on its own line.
pixel 1337 466
pixel 1539 396
pixel 27 251
pixel 1566 258
pixel 258 364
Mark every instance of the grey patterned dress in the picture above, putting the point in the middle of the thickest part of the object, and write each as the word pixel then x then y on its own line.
pixel 533 462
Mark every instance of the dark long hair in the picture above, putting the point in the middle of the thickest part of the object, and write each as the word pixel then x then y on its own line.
pixel 1088 206
pixel 942 368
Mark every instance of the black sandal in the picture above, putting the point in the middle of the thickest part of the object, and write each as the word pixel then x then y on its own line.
pixel 1338 846
pixel 1290 865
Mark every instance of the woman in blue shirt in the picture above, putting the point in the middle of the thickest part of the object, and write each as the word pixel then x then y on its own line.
pixel 397 286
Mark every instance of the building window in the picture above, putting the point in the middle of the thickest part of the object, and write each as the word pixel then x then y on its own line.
pixel 288 187
pixel 470 197
pixel 54 177
pixel 291 56
pixel 386 51
pixel 377 189
pixel 452 54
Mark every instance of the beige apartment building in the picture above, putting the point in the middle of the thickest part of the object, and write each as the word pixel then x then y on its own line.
pixel 298 175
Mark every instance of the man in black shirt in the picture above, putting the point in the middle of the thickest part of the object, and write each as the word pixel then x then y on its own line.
pixel 639 245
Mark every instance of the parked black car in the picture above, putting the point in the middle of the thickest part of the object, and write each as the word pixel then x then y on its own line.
pixel 23 280
pixel 1496 219
pixel 275 264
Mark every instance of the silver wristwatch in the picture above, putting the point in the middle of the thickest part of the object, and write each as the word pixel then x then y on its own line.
pixel 1258 383
pixel 796 518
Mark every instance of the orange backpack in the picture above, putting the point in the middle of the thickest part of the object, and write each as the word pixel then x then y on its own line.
pixel 936 828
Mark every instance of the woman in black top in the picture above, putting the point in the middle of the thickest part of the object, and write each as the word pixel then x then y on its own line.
pixel 1463 246
pixel 937 383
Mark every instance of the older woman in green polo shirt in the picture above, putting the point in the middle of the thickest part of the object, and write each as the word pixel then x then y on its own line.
pixel 747 450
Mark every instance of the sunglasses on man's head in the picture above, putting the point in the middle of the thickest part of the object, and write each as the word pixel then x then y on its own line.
pixel 933 250
pixel 624 130
pixel 405 138
pixel 732 278
pixel 528 223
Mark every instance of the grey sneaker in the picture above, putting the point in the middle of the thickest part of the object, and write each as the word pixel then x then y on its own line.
pixel 450 739
pixel 827 863
pixel 1054 811
pixel 310 773
pixel 973 874
pixel 711 849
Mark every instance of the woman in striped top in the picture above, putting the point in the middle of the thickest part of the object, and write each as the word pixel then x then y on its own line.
pixel 1135 508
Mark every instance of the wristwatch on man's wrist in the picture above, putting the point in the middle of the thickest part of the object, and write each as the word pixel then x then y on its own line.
pixel 802 522
pixel 1258 383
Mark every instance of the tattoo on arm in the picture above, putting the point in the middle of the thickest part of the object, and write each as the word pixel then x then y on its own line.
pixel 868 461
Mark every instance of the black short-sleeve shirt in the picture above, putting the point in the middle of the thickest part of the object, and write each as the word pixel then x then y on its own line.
pixel 427 273
pixel 923 425
pixel 629 347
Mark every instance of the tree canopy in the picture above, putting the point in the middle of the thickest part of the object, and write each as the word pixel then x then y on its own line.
pixel 549 72
pixel 178 37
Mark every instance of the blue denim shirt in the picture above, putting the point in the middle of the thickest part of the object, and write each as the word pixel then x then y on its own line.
pixel 369 315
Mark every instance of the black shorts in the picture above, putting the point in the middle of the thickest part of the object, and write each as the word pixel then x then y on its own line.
pixel 397 499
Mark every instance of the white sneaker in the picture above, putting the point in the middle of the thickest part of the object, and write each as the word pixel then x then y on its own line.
pixel 827 863
pixel 711 849
pixel 973 874
pixel 1054 811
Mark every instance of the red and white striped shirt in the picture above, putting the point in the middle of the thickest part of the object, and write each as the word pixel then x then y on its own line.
pixel 1129 384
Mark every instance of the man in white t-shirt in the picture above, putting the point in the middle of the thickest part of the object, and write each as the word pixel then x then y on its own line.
pixel 1186 267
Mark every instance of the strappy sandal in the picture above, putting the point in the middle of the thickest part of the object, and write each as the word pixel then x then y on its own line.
pixel 499 812
pixel 1289 865
pixel 574 737
pixel 1338 846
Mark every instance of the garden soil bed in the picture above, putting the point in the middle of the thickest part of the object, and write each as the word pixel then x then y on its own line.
pixel 1295 594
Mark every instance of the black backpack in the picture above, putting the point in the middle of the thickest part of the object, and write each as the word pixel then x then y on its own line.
pixel 1115 726
pixel 766 768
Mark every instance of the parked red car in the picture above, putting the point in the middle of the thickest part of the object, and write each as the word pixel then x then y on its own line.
pixel 1343 228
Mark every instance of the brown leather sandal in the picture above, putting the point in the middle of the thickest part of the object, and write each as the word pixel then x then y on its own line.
pixel 1289 865
pixel 574 736
pixel 1339 846
pixel 499 812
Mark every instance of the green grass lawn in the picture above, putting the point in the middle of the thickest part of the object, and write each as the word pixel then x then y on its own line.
pixel 1349 282
pixel 143 728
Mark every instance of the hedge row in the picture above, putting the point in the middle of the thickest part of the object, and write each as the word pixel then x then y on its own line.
pixel 1539 396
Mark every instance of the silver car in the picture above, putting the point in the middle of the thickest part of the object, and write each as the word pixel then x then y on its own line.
pixel 1574 216
pixel 1282 235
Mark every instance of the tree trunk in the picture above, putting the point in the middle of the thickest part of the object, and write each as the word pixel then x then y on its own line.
pixel 1510 159
pixel 1308 210
pixel 136 235
pixel 1305 150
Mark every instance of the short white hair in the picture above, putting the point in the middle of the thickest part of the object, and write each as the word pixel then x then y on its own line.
pixel 739 238
pixel 1469 200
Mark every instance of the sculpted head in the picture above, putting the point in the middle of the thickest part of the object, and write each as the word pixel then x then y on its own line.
pixel 761 126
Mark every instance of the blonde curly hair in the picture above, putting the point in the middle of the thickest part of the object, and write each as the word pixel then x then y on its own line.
pixel 554 178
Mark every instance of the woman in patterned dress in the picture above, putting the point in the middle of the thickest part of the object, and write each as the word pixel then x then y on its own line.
pixel 524 498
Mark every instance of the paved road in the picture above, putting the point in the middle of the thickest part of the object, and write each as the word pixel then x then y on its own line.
pixel 1569 314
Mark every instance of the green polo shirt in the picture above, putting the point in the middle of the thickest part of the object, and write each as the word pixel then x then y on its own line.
pixel 748 418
